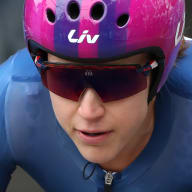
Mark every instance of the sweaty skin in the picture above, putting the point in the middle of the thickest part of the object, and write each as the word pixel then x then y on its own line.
pixel 130 120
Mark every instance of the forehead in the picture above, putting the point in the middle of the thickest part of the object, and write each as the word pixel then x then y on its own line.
pixel 136 59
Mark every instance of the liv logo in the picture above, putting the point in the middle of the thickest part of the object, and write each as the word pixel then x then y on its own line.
pixel 85 35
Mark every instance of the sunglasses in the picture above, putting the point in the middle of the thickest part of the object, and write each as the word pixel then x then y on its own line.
pixel 110 81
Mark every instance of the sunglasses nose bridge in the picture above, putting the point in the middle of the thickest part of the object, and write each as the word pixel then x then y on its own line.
pixel 90 82
pixel 87 85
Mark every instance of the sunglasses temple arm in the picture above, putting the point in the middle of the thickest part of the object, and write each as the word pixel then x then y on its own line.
pixel 39 64
pixel 147 68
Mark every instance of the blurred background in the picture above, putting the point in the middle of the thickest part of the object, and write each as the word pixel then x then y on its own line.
pixel 11 29
pixel 11 39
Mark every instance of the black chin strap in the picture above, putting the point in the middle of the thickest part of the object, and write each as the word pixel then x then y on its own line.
pixel 156 76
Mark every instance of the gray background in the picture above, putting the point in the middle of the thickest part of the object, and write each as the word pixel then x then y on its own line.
pixel 11 39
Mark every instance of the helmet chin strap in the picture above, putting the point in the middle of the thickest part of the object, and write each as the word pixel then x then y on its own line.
pixel 155 79
pixel 152 94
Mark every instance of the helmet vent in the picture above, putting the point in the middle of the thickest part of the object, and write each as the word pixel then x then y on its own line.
pixel 123 20
pixel 51 16
pixel 73 10
pixel 97 11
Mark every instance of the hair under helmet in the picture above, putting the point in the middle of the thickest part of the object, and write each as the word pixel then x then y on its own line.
pixel 106 30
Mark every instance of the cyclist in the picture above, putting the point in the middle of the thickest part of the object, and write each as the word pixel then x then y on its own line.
pixel 94 109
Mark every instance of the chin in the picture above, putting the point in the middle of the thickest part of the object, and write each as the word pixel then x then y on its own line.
pixel 95 155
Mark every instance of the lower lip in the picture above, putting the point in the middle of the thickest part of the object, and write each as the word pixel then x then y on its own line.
pixel 93 139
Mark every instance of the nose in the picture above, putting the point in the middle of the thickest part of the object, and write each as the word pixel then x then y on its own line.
pixel 91 107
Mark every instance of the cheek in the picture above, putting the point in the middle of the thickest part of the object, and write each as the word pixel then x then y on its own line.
pixel 64 109
pixel 129 114
pixel 137 109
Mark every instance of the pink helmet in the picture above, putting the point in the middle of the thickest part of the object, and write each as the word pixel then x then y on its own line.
pixel 107 30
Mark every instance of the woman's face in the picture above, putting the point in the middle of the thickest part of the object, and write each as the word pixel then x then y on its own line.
pixel 127 124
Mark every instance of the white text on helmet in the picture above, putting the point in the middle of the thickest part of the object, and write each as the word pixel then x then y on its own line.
pixel 85 34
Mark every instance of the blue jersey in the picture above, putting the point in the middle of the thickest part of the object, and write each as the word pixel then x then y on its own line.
pixel 31 137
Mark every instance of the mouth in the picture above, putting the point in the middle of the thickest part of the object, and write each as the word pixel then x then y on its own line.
pixel 93 137
pixel 93 134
